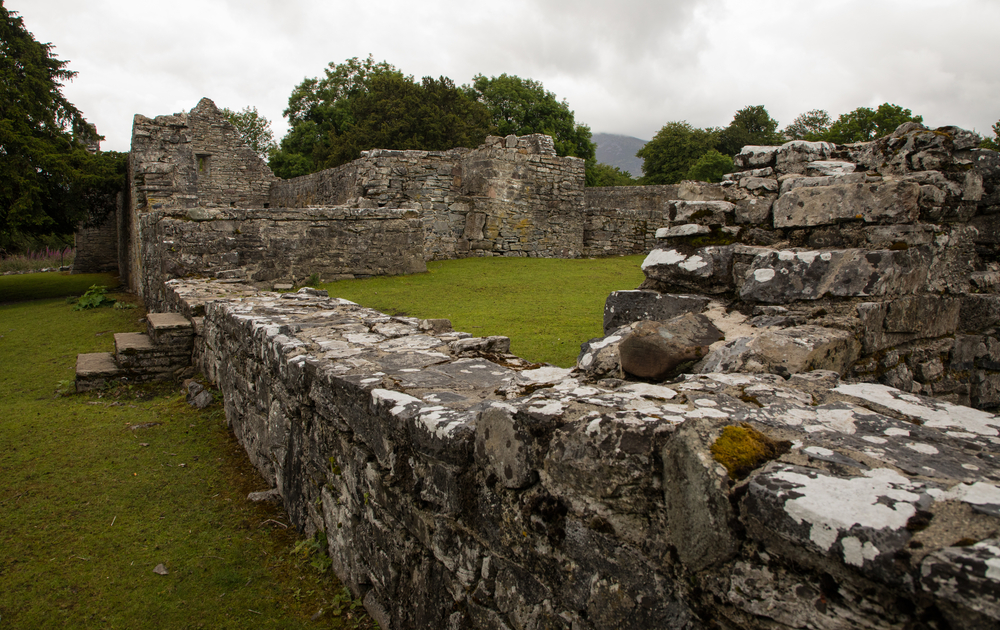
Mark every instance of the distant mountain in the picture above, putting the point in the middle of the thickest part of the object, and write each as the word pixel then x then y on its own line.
pixel 618 150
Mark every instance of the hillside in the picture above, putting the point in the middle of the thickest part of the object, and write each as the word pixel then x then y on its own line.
pixel 618 150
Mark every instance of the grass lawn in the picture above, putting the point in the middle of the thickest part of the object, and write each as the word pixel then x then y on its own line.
pixel 98 489
pixel 547 306
pixel 38 286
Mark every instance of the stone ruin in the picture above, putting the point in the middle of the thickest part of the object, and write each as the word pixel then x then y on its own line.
pixel 771 434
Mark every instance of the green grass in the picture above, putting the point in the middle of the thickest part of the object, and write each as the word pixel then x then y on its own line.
pixel 97 489
pixel 547 307
pixel 39 286
pixel 93 494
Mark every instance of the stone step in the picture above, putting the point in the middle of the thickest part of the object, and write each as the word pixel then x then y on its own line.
pixel 93 370
pixel 170 329
pixel 139 355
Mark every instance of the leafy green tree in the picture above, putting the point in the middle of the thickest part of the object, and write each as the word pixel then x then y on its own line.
pixel 523 106
pixel 254 129
pixel 669 156
pixel 396 113
pixel 811 125
pixel 710 167
pixel 361 105
pixel 600 174
pixel 48 179
pixel 865 124
pixel 751 125
pixel 994 142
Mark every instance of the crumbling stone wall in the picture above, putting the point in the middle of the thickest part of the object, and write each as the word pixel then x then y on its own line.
pixel 876 260
pixel 623 220
pixel 510 197
pixel 267 246
pixel 201 202
pixel 460 487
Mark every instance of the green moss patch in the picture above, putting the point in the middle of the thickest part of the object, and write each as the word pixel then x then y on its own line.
pixel 742 449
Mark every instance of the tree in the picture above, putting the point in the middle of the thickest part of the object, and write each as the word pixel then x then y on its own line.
pixel 751 125
pixel 669 156
pixel 523 106
pixel 48 180
pixel 811 125
pixel 601 174
pixel 865 124
pixel 363 105
pixel 994 142
pixel 254 129
pixel 710 167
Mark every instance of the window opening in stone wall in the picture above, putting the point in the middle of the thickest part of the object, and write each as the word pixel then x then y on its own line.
pixel 203 163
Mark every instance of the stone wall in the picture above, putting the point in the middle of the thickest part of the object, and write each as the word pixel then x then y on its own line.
pixel 510 197
pixel 457 487
pixel 623 220
pixel 265 246
pixel 877 260
pixel 202 203
pixel 97 246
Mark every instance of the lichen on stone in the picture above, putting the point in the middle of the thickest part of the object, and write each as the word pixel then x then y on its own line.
pixel 742 449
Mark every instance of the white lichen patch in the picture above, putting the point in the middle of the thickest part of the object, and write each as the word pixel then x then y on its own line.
pixel 399 399
pixel 881 499
pixel 979 493
pixel 547 374
pixel 941 415
pixel 763 275
pixel 647 390
pixel 855 553
pixel 693 264
pixel 440 421
pixel 552 409
pixel 663 257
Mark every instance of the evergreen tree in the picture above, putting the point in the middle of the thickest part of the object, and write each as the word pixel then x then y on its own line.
pixel 49 182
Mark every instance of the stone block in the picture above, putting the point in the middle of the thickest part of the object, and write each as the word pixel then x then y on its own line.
pixel 886 202
pixel 652 350
pixel 706 270
pixel 780 277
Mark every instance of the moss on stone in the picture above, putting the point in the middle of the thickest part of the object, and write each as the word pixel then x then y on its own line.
pixel 742 449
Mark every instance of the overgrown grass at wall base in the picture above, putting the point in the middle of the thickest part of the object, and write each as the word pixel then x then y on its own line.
pixel 547 307
pixel 98 489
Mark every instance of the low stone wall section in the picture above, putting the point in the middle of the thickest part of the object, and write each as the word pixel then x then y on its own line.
pixel 459 487
pixel 268 245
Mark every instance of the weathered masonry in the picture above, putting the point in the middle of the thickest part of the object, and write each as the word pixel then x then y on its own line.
pixel 771 434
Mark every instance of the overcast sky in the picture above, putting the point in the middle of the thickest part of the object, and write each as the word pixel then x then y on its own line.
pixel 628 66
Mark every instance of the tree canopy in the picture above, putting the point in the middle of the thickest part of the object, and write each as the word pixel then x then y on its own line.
pixel 523 106
pixel 812 125
pixel 49 182
pixel 600 174
pixel 865 124
pixel 672 152
pixel 751 125
pixel 254 129
pixel 361 105
pixel 994 142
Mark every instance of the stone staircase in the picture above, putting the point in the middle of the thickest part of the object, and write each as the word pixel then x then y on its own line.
pixel 159 354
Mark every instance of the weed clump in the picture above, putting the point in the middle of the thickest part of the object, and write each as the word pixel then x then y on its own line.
pixel 95 297
pixel 742 449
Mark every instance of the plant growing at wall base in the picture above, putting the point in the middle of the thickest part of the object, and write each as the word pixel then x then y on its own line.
pixel 95 297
